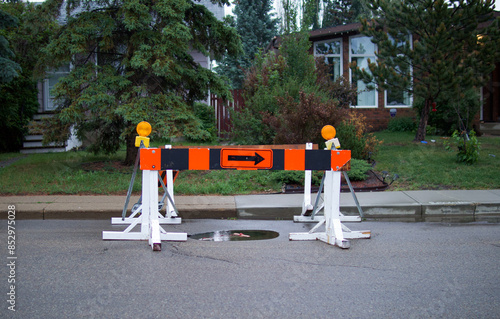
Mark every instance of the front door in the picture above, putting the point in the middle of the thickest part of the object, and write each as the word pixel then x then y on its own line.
pixel 491 97
pixel 49 104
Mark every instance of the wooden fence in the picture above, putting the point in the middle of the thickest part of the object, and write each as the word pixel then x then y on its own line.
pixel 222 111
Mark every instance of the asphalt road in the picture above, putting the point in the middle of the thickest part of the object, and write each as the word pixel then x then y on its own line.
pixel 406 270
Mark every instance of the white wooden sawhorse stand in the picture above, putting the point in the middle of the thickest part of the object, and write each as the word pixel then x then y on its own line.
pixel 309 212
pixel 170 218
pixel 335 232
pixel 149 219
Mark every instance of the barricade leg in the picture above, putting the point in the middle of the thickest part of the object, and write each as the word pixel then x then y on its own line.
pixel 307 208
pixel 170 210
pixel 335 233
pixel 313 215
pixel 171 217
pixel 148 221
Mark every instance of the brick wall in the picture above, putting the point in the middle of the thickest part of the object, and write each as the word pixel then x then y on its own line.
pixel 378 118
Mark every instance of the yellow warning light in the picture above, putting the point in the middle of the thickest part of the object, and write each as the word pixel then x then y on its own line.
pixel 143 129
pixel 328 132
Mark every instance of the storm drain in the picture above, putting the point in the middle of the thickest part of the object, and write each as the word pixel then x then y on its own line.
pixel 235 235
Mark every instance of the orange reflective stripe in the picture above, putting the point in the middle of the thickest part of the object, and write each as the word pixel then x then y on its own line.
pixel 229 158
pixel 199 159
pixel 295 160
pixel 340 158
pixel 150 159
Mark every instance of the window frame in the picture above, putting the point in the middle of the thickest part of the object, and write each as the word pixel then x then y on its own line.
pixel 333 55
pixel 367 55
pixel 48 99
pixel 410 97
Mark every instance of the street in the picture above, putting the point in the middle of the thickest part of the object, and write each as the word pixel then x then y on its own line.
pixel 406 270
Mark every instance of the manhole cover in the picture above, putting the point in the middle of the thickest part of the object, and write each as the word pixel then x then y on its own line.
pixel 235 235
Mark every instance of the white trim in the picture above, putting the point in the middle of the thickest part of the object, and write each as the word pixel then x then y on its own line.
pixel 400 106
pixel 333 55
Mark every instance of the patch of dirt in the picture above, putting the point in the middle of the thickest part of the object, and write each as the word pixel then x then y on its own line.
pixel 10 161
pixel 371 184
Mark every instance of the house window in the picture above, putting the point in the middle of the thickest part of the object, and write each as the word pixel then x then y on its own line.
pixel 399 97
pixel 362 49
pixel 331 50
pixel 48 84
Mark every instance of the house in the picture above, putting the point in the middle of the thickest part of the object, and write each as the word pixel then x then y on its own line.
pixel 344 44
pixel 489 114
pixel 33 141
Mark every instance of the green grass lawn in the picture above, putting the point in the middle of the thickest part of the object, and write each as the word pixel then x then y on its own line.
pixel 63 173
pixel 430 166
pixel 420 166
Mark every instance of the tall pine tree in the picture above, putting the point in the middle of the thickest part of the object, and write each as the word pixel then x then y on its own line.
pixel 131 62
pixel 256 27
pixel 456 44
pixel 339 12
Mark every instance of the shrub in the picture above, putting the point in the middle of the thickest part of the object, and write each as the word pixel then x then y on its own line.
pixel 467 146
pixel 289 97
pixel 359 170
pixel 301 121
pixel 205 114
pixel 264 81
pixel 401 124
pixel 296 177
pixel 353 135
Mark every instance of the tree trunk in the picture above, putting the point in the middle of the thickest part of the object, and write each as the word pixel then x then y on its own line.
pixel 131 152
pixel 424 118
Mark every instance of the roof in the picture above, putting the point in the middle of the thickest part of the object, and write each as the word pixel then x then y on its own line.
pixel 332 32
pixel 319 34
pixel 336 30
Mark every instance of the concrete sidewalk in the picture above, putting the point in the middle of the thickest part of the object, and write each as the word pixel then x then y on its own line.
pixel 442 205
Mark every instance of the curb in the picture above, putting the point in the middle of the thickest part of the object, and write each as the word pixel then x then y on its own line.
pixel 459 205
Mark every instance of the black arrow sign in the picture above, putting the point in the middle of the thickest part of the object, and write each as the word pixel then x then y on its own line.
pixel 257 158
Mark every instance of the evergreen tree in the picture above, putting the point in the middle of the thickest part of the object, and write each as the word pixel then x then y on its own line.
pixel 8 68
pixel 456 44
pixel 19 97
pixel 256 27
pixel 131 62
pixel 339 12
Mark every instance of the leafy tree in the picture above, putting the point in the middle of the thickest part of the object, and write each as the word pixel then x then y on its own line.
pixel 256 27
pixel 18 97
pixel 454 48
pixel 288 12
pixel 289 97
pixel 131 62
pixel 311 11
pixel 9 69
pixel 298 15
